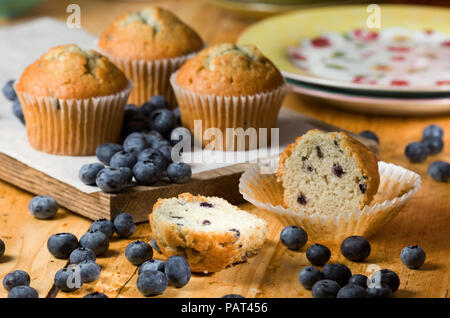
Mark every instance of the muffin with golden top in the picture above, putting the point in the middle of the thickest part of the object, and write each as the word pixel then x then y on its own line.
pixel 229 86
pixel 148 46
pixel 72 101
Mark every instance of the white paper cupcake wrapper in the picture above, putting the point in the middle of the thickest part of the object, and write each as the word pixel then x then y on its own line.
pixel 222 112
pixel 73 127
pixel 397 186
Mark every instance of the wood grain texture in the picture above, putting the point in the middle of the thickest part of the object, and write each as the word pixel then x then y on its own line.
pixel 273 273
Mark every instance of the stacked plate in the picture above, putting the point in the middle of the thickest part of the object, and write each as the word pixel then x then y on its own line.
pixel 387 59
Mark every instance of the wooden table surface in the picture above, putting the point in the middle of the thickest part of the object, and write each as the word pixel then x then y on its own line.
pixel 273 273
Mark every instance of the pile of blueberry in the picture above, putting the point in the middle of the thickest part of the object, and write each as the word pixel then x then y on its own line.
pixel 336 280
pixel 10 94
pixel 149 133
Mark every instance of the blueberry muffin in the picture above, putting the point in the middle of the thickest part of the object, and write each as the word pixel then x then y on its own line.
pixel 229 86
pixel 148 46
pixel 328 174
pixel 72 101
pixel 208 231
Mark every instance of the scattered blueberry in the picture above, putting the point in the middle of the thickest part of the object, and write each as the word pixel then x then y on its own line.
pixel 325 289
pixel 308 276
pixel 138 252
pixel 23 292
pixel 154 156
pixel 146 172
pixel 89 270
pixel 178 271
pixel 413 256
pixel 179 172
pixel 61 245
pixel 439 171
pixel 8 90
pixel 358 279
pixel 385 276
pixel 162 120
pixel 355 248
pixel 232 296
pixel 151 265
pixel 416 152
pixel 16 278
pixel 123 159
pixel 103 225
pixel 134 143
pixel 88 172
pixel 43 207
pixel 111 180
pixel 104 152
pixel 382 291
pixel 352 291
pixel 434 145
pixel 124 225
pixel 155 245
pixel 96 241
pixel 293 237
pixel 68 280
pixel 82 254
pixel 151 283
pixel 432 131
pixel 318 254
pixel 95 295
pixel 177 114
pixel 18 112
pixel 2 248
pixel 337 272
pixel 369 135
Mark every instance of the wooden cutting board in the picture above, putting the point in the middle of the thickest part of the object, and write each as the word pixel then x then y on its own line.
pixel 138 200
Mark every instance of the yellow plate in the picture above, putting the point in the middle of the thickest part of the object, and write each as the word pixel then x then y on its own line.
pixel 272 36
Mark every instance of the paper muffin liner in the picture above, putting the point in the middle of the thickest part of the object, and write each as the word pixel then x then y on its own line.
pixel 73 127
pixel 222 112
pixel 149 77
pixel 397 186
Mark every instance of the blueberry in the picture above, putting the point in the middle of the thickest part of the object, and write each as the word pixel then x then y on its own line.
pixel 154 156
pixel 131 111
pixel 111 180
pixel 82 254
pixel 138 252
pixel 179 172
pixel 179 134
pixel 158 144
pixel 385 276
pixel 89 271
pixel 61 245
pixel 68 279
pixel 413 256
pixel 355 248
pixel 293 237
pixel 383 291
pixel 232 296
pixel 352 291
pixel 152 138
pixel 308 276
pixel 370 135
pixel 103 225
pixel 17 111
pixel 23 292
pixel 325 289
pixel 88 172
pixel 318 254
pixel 104 152
pixel 43 207
pixel 137 125
pixel 124 225
pixel 416 152
pixel 358 279
pixel 127 173
pixel 16 278
pixel 439 171
pixel 95 295
pixel 337 272
pixel 151 283
pixel 155 103
pixel 8 90
pixel 134 143
pixel 434 145
pixel 432 131
pixel 176 113
pixel 151 265
pixel 123 159
pixel 166 152
pixel 2 248
pixel 162 120
pixel 178 271
pixel 147 172
pixel 96 241
pixel 155 245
